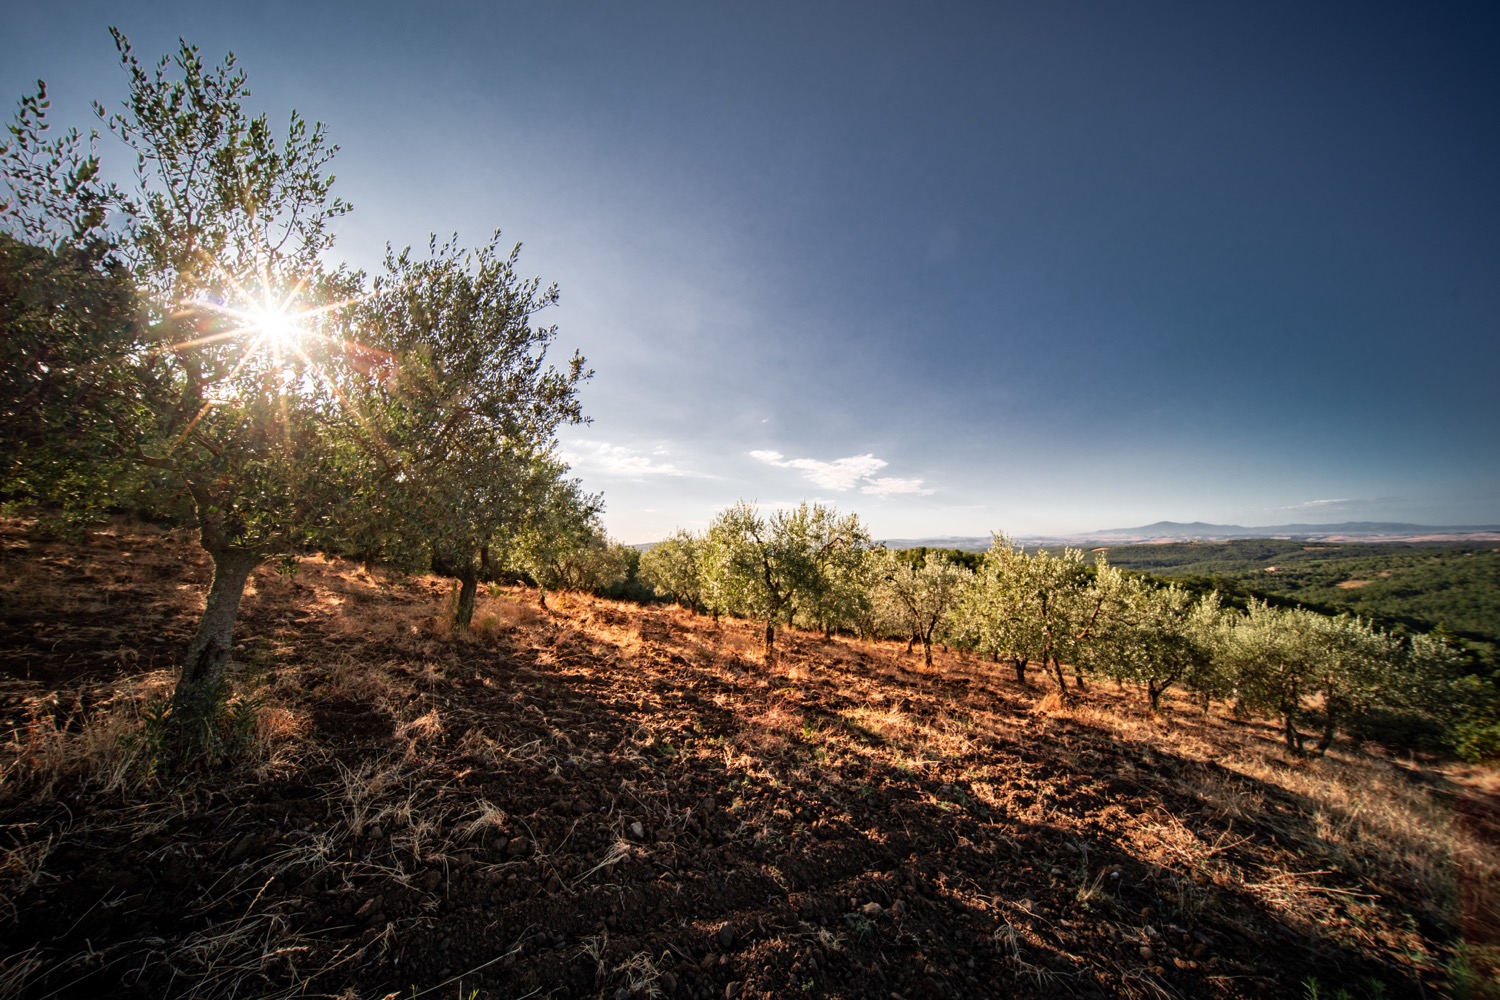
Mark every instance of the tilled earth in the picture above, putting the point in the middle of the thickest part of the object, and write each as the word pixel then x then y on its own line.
pixel 605 800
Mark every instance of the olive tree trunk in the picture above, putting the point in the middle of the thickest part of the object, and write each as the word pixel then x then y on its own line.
pixel 202 678
pixel 1062 682
pixel 468 588
pixel 1289 729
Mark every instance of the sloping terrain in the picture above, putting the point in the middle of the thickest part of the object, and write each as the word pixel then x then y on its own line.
pixel 606 800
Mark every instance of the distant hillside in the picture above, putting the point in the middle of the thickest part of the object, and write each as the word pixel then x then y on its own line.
pixel 971 543
pixel 1178 531
pixel 1423 585
pixel 1367 530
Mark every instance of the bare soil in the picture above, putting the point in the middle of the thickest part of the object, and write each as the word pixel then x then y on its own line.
pixel 607 800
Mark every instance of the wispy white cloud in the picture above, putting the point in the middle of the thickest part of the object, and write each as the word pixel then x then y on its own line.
pixel 1327 504
pixel 618 460
pixel 844 474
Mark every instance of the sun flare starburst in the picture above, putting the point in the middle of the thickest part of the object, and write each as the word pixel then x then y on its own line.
pixel 276 323
pixel 280 339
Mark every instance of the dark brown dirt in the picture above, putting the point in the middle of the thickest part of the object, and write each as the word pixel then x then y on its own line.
pixel 613 801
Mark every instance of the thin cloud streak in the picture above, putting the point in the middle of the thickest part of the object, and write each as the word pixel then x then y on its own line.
pixel 891 486
pixel 1337 504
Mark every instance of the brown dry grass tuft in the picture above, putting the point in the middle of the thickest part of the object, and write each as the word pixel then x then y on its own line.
pixel 93 739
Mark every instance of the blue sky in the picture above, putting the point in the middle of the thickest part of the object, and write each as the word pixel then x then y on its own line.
pixel 1039 268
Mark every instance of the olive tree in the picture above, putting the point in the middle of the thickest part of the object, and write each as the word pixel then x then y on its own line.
pixel 241 379
pixel 459 405
pixel 213 386
pixel 993 614
pixel 1272 655
pixel 550 543
pixel 1050 607
pixel 765 567
pixel 1161 636
pixel 753 568
pixel 67 306
pixel 65 313
pixel 596 563
pixel 1346 676
pixel 838 584
pixel 922 598
pixel 671 568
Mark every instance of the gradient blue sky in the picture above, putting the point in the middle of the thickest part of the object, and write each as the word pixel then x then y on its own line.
pixel 1043 268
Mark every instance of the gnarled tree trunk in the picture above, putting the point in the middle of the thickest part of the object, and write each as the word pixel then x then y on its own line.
pixel 202 678
pixel 468 587
pixel 1289 728
pixel 465 570
pixel 1062 682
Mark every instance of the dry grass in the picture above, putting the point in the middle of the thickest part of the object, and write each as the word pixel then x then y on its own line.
pixel 101 738
pixel 92 738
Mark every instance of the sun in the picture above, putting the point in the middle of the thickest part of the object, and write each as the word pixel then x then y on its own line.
pixel 276 326
pixel 275 323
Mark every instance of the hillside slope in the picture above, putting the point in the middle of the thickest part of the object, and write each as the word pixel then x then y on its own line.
pixel 615 801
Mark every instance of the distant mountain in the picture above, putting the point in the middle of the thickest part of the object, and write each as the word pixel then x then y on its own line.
pixel 1200 531
pixel 1176 531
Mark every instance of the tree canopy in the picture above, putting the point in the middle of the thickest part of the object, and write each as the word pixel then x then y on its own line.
pixel 191 326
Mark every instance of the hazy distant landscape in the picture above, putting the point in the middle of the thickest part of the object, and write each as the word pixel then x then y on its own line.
pixel 1175 531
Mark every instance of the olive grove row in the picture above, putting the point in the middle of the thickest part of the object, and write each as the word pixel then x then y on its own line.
pixel 812 567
